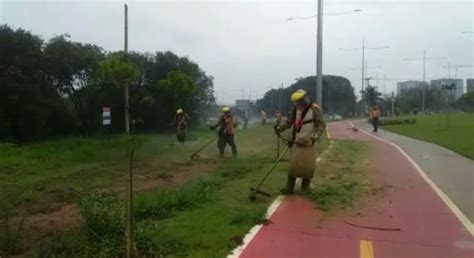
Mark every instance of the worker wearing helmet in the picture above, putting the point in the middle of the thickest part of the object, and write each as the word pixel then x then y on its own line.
pixel 307 124
pixel 263 115
pixel 278 117
pixel 181 120
pixel 226 126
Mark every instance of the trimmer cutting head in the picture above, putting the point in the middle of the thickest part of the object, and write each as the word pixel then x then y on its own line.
pixel 255 191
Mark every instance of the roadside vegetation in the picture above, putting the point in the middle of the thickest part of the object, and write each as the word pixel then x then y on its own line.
pixel 452 131
pixel 194 208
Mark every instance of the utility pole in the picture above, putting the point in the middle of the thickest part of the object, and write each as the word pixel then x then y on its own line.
pixel 271 101
pixel 319 56
pixel 368 84
pixel 363 76
pixel 424 74
pixel 393 104
pixel 424 82
pixel 125 50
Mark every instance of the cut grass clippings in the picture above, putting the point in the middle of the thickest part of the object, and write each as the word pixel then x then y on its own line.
pixel 340 178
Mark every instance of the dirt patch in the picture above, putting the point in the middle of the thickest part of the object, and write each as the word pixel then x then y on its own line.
pixel 63 216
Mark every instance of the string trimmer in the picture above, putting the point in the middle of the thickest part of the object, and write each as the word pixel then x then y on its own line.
pixel 195 154
pixel 256 190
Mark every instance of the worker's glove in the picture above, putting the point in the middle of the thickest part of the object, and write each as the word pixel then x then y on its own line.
pixel 212 128
pixel 277 129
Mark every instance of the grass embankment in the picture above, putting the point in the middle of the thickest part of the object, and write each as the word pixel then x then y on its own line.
pixel 454 133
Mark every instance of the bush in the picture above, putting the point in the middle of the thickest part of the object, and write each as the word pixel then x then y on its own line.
pixel 164 204
pixel 103 220
pixel 397 121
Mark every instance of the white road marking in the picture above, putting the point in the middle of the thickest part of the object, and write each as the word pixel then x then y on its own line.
pixel 457 212
pixel 273 207
pixel 253 231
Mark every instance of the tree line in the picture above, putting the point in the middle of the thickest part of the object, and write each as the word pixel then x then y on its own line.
pixel 58 87
pixel 338 95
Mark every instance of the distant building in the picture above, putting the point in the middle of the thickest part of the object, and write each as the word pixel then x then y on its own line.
pixel 242 104
pixel 469 85
pixel 405 87
pixel 458 86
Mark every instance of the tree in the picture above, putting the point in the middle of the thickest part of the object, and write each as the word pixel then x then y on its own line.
pixel 372 96
pixel 338 95
pixel 29 107
pixel 69 67
pixel 466 102
pixel 120 73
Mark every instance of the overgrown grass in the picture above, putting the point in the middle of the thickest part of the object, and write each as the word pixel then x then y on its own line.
pixel 33 175
pixel 453 132
pixel 341 176
pixel 205 218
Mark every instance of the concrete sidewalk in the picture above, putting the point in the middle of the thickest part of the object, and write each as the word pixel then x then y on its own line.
pixel 451 172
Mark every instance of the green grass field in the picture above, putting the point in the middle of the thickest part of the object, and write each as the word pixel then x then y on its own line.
pixel 186 208
pixel 457 135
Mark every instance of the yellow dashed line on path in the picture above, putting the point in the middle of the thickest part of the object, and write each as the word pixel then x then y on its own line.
pixel 366 249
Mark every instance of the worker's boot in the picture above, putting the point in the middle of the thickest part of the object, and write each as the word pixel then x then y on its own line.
pixel 305 182
pixel 290 186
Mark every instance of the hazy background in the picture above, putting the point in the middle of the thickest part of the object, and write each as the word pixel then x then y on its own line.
pixel 249 46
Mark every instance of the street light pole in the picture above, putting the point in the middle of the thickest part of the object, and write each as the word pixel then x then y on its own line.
pixel 424 80
pixel 424 75
pixel 319 56
pixel 362 77
pixel 125 50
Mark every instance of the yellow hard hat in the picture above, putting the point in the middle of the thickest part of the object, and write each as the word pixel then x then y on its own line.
pixel 179 111
pixel 298 95
pixel 225 109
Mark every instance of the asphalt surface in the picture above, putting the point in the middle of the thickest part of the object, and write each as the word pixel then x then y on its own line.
pixel 451 172
pixel 407 219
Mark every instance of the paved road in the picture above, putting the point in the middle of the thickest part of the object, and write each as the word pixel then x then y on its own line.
pixel 421 224
pixel 451 172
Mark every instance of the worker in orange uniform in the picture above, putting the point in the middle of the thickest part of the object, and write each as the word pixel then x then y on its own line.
pixel 375 117
pixel 226 132
pixel 181 121
pixel 307 124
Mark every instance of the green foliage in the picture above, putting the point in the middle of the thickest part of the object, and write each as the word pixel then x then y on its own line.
pixel 166 203
pixel 371 96
pixel 452 131
pixel 338 95
pixel 103 220
pixel 59 87
pixel 466 102
pixel 118 70
pixel 388 121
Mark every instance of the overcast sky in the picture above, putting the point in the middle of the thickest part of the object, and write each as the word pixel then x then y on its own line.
pixel 248 46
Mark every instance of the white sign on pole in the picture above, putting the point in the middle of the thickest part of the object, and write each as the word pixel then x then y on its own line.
pixel 106 116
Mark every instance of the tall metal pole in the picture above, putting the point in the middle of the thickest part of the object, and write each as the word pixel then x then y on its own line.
pixel 362 82
pixel 125 50
pixel 319 56
pixel 424 84
pixel 129 226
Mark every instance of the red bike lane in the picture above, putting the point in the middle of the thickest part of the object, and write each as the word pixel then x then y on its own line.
pixel 408 219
